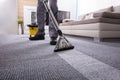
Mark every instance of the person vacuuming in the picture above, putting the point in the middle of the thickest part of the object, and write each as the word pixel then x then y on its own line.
pixel 63 43
pixel 41 17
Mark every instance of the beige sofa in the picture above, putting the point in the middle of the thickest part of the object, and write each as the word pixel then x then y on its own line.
pixel 104 24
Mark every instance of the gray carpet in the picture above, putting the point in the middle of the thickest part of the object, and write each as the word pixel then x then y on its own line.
pixel 107 51
pixel 21 59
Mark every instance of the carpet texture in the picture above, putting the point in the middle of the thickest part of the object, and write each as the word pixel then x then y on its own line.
pixel 21 59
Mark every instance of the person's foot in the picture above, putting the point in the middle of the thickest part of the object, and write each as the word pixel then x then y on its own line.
pixel 37 37
pixel 53 41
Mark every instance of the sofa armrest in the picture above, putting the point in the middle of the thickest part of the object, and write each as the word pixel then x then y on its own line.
pixel 107 15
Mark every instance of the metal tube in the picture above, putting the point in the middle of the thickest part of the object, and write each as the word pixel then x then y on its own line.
pixel 51 15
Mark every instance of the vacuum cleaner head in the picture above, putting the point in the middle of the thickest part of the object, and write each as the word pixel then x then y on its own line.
pixel 63 44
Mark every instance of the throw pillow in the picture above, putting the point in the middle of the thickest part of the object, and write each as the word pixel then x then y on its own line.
pixel 89 16
pixel 86 16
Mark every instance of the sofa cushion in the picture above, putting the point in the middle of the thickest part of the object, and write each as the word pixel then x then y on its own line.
pixel 116 9
pixel 93 26
pixel 108 9
pixel 107 15
pixel 95 20
pixel 81 17
pixel 89 16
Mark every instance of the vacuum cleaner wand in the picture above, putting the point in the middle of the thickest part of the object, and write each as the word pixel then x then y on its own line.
pixel 63 43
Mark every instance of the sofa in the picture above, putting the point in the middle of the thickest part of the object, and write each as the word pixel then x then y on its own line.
pixel 104 23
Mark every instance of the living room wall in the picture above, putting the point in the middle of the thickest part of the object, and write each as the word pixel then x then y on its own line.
pixel 85 6
pixel 68 5
pixel 61 5
pixel 22 3
pixel 8 16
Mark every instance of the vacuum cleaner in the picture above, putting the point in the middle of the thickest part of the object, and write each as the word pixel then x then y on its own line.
pixel 62 43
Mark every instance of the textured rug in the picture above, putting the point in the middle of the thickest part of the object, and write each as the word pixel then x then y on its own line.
pixel 21 59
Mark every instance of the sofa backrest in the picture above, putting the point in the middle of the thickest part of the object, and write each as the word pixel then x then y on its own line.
pixel 116 9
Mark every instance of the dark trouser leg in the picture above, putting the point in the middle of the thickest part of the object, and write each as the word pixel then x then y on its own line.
pixel 52 32
pixel 41 18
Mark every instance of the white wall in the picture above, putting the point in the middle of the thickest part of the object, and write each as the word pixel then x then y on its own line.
pixel 85 6
pixel 68 5
pixel 8 17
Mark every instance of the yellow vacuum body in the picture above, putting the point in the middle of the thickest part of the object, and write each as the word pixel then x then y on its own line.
pixel 32 30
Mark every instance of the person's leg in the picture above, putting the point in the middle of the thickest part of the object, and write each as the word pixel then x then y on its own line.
pixel 52 32
pixel 40 21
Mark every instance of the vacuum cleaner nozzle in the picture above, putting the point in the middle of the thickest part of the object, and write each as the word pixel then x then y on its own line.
pixel 63 44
